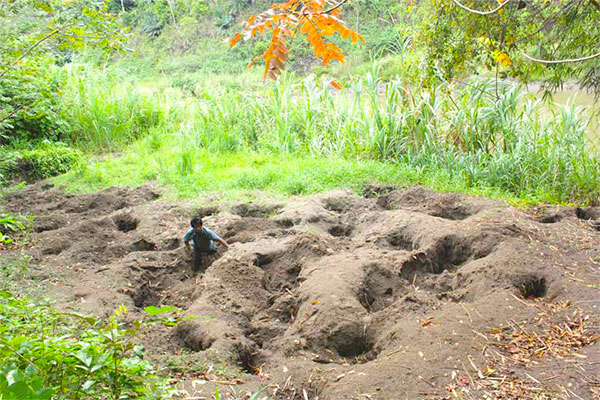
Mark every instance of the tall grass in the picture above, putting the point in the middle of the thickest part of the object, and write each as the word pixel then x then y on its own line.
pixel 476 135
pixel 105 113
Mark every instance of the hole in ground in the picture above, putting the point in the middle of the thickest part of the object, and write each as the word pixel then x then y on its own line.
pixel 549 218
pixel 255 210
pixel 379 289
pixel 247 358
pixel 452 209
pixel 285 222
pixel 398 239
pixel 193 336
pixel 125 222
pixel 530 286
pixel 280 275
pixel 352 341
pixel 206 211
pixel 143 245
pixel 263 259
pixel 370 191
pixel 340 230
pixel 146 295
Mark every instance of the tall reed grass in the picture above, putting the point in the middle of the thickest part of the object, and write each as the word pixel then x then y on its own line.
pixel 105 114
pixel 477 134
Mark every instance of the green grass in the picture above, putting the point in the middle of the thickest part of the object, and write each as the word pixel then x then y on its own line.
pixel 248 175
pixel 300 136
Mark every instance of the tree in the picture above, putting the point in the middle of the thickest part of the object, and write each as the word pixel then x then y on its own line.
pixel 552 40
pixel 316 20
pixel 35 36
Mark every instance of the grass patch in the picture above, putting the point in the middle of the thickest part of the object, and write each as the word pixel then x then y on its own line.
pixel 36 161
pixel 243 175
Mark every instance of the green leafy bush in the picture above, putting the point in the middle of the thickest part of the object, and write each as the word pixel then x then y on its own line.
pixel 46 160
pixel 45 354
pixel 11 224
pixel 29 105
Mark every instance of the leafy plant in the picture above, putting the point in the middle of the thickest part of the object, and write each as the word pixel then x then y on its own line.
pixel 316 20
pixel 167 315
pixel 39 161
pixel 11 224
pixel 39 35
pixel 45 354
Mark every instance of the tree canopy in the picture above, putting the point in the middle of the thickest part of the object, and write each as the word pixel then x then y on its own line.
pixel 35 36
pixel 552 41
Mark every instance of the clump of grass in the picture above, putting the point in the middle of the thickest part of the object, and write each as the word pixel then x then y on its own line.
pixel 105 113
pixel 36 161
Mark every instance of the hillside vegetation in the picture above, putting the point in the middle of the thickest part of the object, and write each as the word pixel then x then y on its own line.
pixel 176 101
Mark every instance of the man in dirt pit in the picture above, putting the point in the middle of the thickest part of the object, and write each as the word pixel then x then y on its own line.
pixel 203 240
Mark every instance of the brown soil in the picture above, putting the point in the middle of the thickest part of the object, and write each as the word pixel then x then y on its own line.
pixel 387 296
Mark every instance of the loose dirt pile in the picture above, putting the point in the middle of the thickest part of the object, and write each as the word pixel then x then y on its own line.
pixel 396 294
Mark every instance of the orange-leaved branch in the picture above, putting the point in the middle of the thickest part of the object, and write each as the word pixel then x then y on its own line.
pixel 316 20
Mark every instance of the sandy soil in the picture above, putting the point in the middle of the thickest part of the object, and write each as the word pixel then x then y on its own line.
pixel 395 294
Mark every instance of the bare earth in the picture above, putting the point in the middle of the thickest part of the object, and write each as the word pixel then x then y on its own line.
pixel 396 294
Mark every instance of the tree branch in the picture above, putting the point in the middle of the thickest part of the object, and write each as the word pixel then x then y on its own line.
pixel 29 50
pixel 338 5
pixel 495 10
pixel 566 60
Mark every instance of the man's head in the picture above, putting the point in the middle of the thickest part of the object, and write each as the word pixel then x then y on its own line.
pixel 196 223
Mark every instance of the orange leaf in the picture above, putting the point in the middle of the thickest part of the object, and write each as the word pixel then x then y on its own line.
pixel 335 85
pixel 235 39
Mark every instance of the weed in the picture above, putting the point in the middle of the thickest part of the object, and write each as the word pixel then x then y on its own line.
pixel 46 354
pixel 11 225
pixel 12 270
pixel 476 140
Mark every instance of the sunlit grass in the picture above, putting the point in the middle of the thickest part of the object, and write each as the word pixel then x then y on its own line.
pixel 301 136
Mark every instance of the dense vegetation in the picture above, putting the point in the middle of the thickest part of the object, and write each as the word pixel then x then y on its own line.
pixel 176 96
pixel 139 90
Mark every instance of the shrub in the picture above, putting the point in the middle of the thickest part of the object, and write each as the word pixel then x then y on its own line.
pixel 46 160
pixel 29 106
pixel 45 354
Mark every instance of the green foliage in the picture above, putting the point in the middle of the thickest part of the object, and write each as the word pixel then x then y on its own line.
pixel 12 269
pixel 28 102
pixel 388 41
pixel 37 35
pixel 460 42
pixel 105 114
pixel 469 135
pixel 38 162
pixel 11 224
pixel 167 315
pixel 49 355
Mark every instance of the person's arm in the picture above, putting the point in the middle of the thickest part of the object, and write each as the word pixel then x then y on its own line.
pixel 217 238
pixel 224 243
pixel 187 237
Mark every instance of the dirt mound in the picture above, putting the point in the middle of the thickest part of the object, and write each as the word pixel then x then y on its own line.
pixel 335 295
pixel 448 205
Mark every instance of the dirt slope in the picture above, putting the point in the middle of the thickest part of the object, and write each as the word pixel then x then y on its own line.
pixel 392 295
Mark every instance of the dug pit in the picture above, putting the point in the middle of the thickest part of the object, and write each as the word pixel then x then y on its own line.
pixel 333 295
